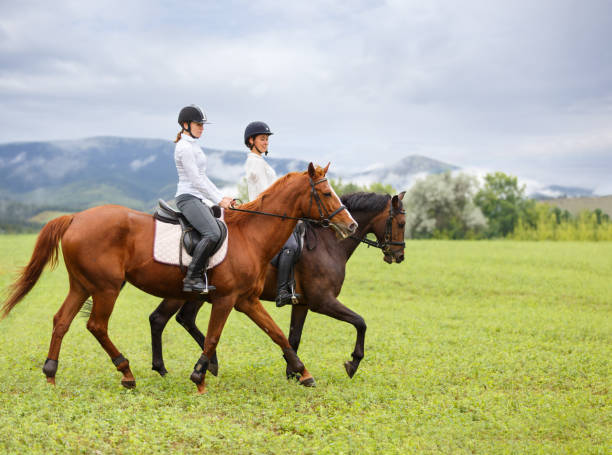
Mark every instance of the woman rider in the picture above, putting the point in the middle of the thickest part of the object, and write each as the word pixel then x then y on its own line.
pixel 193 187
pixel 259 176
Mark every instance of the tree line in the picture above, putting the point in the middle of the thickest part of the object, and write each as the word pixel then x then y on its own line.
pixel 447 206
pixel 440 206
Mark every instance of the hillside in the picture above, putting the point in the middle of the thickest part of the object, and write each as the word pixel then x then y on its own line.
pixel 402 174
pixel 94 171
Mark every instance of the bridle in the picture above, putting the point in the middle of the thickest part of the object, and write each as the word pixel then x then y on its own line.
pixel 388 241
pixel 324 215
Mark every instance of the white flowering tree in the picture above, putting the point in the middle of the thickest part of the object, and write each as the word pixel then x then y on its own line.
pixel 442 205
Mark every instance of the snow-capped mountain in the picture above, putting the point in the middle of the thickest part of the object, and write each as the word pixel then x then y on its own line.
pixel 401 174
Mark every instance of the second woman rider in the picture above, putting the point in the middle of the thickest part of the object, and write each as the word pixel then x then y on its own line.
pixel 259 176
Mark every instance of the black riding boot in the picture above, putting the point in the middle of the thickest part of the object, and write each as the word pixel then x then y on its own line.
pixel 286 294
pixel 196 280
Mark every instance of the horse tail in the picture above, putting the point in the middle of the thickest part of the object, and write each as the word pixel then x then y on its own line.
pixel 45 250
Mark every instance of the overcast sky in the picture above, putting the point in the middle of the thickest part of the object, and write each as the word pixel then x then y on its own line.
pixel 523 87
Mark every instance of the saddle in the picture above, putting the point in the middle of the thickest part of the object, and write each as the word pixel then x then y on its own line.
pixel 190 237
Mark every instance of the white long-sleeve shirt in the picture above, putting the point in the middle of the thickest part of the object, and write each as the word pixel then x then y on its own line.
pixel 191 167
pixel 259 174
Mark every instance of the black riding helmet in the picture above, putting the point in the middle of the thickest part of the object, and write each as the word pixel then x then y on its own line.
pixel 190 114
pixel 255 128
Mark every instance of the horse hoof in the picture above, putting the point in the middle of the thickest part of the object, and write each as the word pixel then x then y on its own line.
pixel 128 384
pixel 51 380
pixel 161 370
pixel 196 377
pixel 291 375
pixel 50 368
pixel 309 382
pixel 213 368
pixel 350 369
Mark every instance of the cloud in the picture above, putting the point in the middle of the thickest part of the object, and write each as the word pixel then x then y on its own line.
pixel 473 83
pixel 136 165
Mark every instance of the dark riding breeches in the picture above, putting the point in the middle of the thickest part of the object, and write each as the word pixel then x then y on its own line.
pixel 200 216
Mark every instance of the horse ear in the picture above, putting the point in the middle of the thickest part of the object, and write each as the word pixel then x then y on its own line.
pixel 326 168
pixel 395 201
pixel 311 171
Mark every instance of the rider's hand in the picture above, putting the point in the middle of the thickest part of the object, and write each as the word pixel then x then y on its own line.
pixel 226 202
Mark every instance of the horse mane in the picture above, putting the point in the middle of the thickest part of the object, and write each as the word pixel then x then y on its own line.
pixel 365 202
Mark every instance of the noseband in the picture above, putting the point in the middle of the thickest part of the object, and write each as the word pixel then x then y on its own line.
pixel 388 241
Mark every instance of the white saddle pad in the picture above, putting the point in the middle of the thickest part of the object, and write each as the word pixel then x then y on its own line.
pixel 168 240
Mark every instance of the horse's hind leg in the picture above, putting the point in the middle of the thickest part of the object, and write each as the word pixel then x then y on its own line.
pixel 186 317
pixel 298 317
pixel 158 320
pixel 61 323
pixel 103 303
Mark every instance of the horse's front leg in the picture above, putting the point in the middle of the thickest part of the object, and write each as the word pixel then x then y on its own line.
pixel 158 320
pixel 186 317
pixel 331 306
pixel 298 317
pixel 221 308
pixel 258 314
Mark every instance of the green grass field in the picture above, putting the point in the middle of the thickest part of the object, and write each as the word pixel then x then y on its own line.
pixel 472 347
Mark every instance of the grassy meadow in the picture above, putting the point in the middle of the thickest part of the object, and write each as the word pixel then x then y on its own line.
pixel 472 347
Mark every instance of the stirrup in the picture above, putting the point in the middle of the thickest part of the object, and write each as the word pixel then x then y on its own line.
pixel 197 285
pixel 207 288
pixel 286 298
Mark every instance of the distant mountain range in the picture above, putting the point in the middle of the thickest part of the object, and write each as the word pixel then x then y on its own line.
pixel 76 174
pixel 94 171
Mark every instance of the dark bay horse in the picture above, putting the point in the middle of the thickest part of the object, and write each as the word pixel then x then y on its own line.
pixel 319 276
pixel 105 246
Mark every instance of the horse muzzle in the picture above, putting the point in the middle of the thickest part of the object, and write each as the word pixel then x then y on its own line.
pixel 342 230
pixel 392 257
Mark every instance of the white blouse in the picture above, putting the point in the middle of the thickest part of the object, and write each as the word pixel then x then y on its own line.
pixel 259 174
pixel 191 167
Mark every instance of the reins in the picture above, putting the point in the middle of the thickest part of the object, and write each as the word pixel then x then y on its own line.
pixel 284 217
pixel 324 221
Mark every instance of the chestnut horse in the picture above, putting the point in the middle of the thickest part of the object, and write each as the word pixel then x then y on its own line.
pixel 105 246
pixel 319 276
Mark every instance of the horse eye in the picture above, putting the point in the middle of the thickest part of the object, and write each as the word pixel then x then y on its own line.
pixel 401 225
pixel 327 194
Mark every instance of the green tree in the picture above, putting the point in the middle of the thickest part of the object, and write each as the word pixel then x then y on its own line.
pixel 504 203
pixel 381 188
pixel 345 188
pixel 243 190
